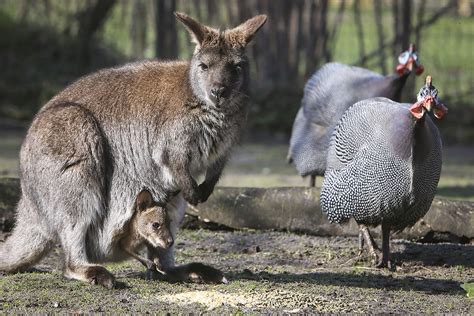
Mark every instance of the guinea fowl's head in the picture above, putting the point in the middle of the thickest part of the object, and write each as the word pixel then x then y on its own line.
pixel 408 61
pixel 428 101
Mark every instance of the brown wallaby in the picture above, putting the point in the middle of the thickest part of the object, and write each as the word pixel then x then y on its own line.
pixel 148 124
pixel 150 226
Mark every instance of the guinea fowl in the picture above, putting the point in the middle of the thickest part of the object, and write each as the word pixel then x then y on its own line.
pixel 383 165
pixel 327 95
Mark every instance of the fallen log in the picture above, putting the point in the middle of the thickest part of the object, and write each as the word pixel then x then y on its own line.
pixel 293 209
pixel 297 209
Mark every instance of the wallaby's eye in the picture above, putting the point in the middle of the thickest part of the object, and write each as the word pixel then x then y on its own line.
pixel 156 225
pixel 203 67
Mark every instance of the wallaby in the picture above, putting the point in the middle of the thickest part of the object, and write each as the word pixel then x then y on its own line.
pixel 148 124
pixel 150 226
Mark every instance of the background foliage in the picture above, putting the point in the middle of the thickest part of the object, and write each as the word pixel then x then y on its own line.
pixel 46 44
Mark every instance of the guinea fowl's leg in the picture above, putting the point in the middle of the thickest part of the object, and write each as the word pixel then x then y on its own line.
pixel 312 180
pixel 385 261
pixel 361 243
pixel 371 245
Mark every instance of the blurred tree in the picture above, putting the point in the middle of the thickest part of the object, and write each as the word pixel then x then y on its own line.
pixel 138 31
pixel 166 35
pixel 91 20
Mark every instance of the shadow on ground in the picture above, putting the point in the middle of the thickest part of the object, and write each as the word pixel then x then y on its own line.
pixel 456 191
pixel 439 255
pixel 364 280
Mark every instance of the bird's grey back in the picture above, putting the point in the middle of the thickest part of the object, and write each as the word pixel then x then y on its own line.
pixel 327 95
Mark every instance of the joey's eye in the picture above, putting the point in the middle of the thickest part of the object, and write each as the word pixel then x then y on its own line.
pixel 156 225
pixel 203 66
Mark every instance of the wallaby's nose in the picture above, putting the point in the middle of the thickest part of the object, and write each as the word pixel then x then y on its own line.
pixel 218 91
pixel 170 241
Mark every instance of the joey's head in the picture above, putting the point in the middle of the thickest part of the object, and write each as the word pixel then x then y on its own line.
pixel 219 68
pixel 153 222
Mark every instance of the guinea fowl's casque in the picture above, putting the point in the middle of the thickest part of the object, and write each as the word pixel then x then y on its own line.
pixel 327 95
pixel 383 165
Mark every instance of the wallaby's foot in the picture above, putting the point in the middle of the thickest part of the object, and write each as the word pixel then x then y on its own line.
pixel 155 275
pixel 195 272
pixel 201 273
pixel 93 275
pixel 100 275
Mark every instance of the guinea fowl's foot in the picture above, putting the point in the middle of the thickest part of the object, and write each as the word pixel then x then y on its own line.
pixel 386 263
pixel 366 238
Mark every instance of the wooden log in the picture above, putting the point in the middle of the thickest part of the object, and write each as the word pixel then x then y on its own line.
pixel 293 209
pixel 297 209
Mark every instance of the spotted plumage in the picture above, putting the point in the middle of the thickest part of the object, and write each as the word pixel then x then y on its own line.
pixel 383 164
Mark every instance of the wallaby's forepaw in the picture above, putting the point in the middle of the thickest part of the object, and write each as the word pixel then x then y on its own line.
pixel 201 273
pixel 100 275
pixel 191 196
pixel 204 191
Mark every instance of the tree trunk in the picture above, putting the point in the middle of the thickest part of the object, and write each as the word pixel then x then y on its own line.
pixel 380 35
pixel 360 30
pixel 138 28
pixel 166 35
pixel 90 21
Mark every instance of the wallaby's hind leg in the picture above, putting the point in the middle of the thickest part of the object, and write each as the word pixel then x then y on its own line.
pixel 77 265
pixel 69 175
pixel 28 243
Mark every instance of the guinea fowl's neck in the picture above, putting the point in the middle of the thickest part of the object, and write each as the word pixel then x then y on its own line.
pixel 397 84
pixel 422 143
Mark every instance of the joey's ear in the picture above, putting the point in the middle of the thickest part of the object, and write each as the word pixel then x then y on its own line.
pixel 144 200
pixel 197 31
pixel 244 33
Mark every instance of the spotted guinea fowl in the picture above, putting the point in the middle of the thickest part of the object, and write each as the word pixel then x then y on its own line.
pixel 327 95
pixel 383 165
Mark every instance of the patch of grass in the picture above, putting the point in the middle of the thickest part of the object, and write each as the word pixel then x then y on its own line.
pixel 265 282
pixel 469 288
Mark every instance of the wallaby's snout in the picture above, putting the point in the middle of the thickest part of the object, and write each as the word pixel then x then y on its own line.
pixel 169 242
pixel 218 91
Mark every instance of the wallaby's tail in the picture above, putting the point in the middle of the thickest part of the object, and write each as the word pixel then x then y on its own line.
pixel 28 243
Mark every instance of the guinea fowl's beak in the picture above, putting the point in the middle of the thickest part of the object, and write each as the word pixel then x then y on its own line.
pixel 428 102
pixel 410 63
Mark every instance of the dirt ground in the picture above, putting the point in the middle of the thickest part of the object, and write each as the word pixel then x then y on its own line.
pixel 268 272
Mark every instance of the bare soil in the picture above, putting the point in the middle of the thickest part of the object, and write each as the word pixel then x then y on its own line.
pixel 268 272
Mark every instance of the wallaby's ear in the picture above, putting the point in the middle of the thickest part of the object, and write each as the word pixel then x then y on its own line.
pixel 244 33
pixel 144 200
pixel 197 31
